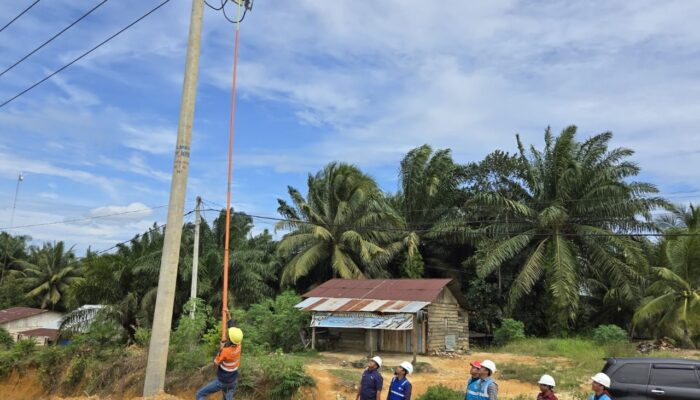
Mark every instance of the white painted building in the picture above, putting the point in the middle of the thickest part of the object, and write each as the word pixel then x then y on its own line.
pixel 25 322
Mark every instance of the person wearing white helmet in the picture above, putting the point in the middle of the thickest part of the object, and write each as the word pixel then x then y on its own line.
pixel 371 382
pixel 547 385
pixel 489 387
pixel 600 386
pixel 400 388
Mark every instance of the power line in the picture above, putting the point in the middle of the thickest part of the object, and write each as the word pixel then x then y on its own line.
pixel 85 219
pixel 152 229
pixel 475 232
pixel 83 55
pixel 19 15
pixel 53 37
pixel 246 4
pixel 463 222
pixel 223 3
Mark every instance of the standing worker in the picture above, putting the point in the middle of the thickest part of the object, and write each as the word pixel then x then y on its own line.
pixel 372 381
pixel 227 361
pixel 489 387
pixel 547 385
pixel 474 382
pixel 400 388
pixel 600 386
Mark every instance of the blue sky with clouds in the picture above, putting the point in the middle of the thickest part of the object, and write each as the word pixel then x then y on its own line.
pixel 361 82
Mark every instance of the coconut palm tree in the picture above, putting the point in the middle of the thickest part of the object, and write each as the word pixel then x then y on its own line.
pixel 673 303
pixel 49 273
pixel 333 229
pixel 567 217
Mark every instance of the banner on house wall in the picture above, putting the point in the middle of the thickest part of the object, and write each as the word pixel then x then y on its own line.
pixel 393 322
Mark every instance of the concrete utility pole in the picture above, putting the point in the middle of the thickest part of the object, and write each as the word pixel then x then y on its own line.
pixel 195 253
pixel 162 318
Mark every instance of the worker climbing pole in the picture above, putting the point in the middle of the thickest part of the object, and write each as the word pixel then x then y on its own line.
pixel 162 319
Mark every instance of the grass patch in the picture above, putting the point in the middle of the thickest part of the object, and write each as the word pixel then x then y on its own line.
pixel 584 358
pixel 346 379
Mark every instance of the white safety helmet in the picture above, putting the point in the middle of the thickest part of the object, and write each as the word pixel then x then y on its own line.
pixel 407 367
pixel 377 360
pixel 547 380
pixel 602 379
pixel 488 364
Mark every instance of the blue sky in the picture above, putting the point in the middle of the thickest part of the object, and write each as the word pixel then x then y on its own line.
pixel 361 82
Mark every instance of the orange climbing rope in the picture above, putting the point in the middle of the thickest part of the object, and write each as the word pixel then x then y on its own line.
pixel 224 306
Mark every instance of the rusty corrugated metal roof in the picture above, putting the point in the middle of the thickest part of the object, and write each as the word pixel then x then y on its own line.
pixel 41 332
pixel 425 290
pixel 326 304
pixel 15 313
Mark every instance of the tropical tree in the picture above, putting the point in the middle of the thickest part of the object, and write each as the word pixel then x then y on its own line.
pixel 429 191
pixel 12 248
pixel 334 230
pixel 673 304
pixel 253 266
pixel 567 217
pixel 48 274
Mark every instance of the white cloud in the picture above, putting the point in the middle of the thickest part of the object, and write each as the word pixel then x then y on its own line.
pixel 154 140
pixel 387 76
pixel 50 196
pixel 121 214
pixel 10 164
pixel 135 164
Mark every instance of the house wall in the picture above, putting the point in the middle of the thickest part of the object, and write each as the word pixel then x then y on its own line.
pixel 447 318
pixel 51 320
pixel 351 339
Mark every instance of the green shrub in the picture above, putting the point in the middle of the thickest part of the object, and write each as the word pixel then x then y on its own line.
pixel 104 333
pixel 510 330
pixel 186 352
pixel 75 373
pixel 25 347
pixel 142 336
pixel 273 324
pixel 441 392
pixel 7 363
pixel 285 375
pixel 606 334
pixel 49 361
pixel 5 339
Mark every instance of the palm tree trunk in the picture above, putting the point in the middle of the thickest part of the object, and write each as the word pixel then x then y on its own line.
pixel 687 343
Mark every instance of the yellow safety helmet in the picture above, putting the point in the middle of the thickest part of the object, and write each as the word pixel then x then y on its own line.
pixel 235 335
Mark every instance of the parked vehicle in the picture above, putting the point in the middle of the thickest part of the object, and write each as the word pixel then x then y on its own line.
pixel 653 378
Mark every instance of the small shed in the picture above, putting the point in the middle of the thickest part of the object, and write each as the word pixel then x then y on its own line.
pixel 395 315
pixel 22 319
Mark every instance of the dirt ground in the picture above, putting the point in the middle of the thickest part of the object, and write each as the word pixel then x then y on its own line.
pixel 451 372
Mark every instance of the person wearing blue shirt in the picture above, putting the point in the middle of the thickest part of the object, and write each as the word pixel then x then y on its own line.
pixel 372 381
pixel 600 386
pixel 400 388
pixel 489 388
pixel 474 382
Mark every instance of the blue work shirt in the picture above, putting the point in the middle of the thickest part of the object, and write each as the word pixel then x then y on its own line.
pixel 370 384
pixel 473 389
pixel 603 396
pixel 399 389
